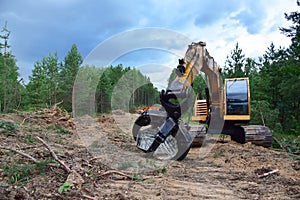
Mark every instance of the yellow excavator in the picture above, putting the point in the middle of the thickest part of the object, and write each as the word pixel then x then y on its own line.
pixel 226 109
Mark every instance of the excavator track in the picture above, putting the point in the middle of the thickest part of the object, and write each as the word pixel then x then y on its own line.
pixel 258 135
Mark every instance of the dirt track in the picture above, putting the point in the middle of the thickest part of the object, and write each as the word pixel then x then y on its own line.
pixel 112 168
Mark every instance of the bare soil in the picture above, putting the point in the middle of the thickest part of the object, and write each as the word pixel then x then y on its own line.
pixel 105 164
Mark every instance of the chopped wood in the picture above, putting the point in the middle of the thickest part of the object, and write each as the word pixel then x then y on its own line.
pixel 54 155
pixel 268 173
pixel 20 152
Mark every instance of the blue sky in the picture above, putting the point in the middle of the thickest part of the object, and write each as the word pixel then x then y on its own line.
pixel 48 26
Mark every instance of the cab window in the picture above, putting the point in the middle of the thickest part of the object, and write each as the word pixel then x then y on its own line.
pixel 237 97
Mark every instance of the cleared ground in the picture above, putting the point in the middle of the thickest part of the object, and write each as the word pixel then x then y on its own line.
pixel 104 164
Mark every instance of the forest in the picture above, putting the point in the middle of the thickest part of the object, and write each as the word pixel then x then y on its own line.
pixel 274 79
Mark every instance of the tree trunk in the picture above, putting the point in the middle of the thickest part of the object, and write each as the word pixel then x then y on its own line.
pixel 4 80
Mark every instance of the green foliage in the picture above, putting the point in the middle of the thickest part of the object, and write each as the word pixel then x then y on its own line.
pixel 65 187
pixel 222 137
pixel 52 81
pixel 163 170
pixel 42 87
pixel 295 129
pixel 9 84
pixel 67 77
pixel 235 63
pixel 124 88
pixel 137 176
pixel 199 85
pixel 262 113
pixel 287 142
pixel 59 129
pixel 19 173
pixel 86 87
pixel 41 165
pixel 219 153
pixel 8 127
pixel 29 139
pixel 126 165
pixel 172 77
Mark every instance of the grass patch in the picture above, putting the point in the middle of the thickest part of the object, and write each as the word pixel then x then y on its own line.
pixel 8 127
pixel 65 187
pixel 29 139
pixel 21 173
pixel 126 165
pixel 287 142
pixel 59 129
pixel 219 153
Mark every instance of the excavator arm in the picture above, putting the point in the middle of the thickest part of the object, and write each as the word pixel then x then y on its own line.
pixel 196 59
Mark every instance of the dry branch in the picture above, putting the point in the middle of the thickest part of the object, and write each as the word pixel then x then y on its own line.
pixel 24 121
pixel 88 197
pixel 31 147
pixel 20 152
pixel 268 173
pixel 54 155
pixel 116 172
pixel 26 155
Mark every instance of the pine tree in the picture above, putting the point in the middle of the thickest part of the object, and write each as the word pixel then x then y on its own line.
pixel 103 93
pixel 9 90
pixel 36 86
pixel 5 46
pixel 289 87
pixel 67 76
pixel 235 63
pixel 124 88
pixel 85 85
pixel 44 82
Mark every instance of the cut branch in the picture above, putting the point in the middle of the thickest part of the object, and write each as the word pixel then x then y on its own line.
pixel 31 147
pixel 20 152
pixel 268 173
pixel 88 197
pixel 24 121
pixel 54 155
pixel 116 172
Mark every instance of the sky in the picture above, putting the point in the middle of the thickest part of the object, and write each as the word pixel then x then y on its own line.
pixel 48 26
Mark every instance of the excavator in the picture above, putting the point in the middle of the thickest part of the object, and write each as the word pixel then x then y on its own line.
pixel 163 134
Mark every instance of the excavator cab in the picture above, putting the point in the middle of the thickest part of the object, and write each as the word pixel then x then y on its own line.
pixel 237 99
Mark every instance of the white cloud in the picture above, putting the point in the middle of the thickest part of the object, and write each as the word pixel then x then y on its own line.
pixel 49 26
pixel 223 34
pixel 158 73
